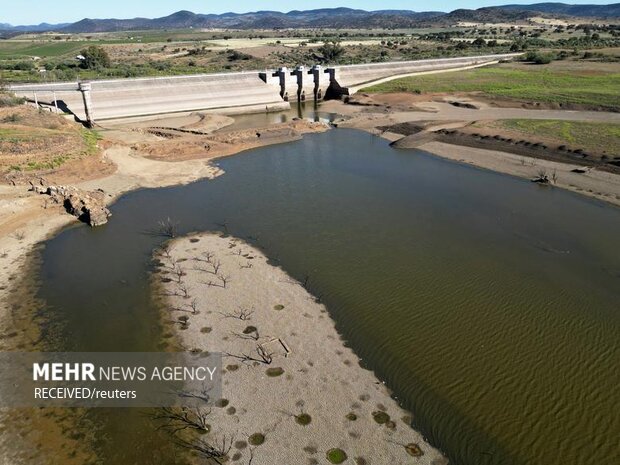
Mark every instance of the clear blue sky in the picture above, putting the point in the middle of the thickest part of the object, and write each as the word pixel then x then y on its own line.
pixel 55 11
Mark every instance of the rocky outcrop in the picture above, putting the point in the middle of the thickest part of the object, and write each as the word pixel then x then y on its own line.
pixel 87 206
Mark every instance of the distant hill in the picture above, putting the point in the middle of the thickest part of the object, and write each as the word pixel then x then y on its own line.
pixel 508 13
pixel 485 15
pixel 332 18
pixel 32 28
pixel 327 18
pixel 579 11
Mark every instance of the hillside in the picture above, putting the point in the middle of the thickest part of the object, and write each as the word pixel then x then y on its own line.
pixel 327 18
pixel 332 18
pixel 579 11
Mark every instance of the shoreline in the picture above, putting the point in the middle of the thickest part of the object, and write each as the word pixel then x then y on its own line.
pixel 311 395
pixel 591 182
pixel 595 184
pixel 27 222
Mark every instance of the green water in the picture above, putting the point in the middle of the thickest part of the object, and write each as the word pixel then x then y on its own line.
pixel 488 304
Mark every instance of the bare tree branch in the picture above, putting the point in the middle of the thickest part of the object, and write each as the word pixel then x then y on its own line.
pixel 242 314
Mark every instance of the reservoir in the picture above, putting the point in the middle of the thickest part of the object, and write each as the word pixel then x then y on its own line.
pixel 489 305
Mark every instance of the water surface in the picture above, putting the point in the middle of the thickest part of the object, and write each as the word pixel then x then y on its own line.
pixel 489 305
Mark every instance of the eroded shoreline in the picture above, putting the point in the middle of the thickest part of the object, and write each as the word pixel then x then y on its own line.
pixel 591 182
pixel 28 220
pixel 289 378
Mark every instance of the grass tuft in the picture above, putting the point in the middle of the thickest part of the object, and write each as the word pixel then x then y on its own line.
pixel 256 439
pixel 336 455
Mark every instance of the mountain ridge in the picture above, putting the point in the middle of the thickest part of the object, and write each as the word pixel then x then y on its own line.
pixel 340 17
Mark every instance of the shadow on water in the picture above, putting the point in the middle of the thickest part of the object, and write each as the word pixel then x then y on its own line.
pixel 306 110
pixel 433 272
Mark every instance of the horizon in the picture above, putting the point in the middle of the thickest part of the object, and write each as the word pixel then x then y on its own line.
pixel 63 11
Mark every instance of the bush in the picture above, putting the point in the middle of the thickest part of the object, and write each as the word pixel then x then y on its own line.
pixel 23 66
pixel 95 57
pixel 331 51
pixel 235 55
pixel 9 100
pixel 539 58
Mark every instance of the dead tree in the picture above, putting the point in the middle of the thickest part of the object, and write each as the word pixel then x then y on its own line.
pixel 242 314
pixel 167 228
pixel 208 257
pixel 183 290
pixel 174 420
pixel 542 177
pixel 217 452
pixel 223 279
pixel 262 356
pixel 178 272
pixel 164 251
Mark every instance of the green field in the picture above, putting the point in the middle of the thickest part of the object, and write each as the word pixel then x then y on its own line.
pixel 595 137
pixel 21 49
pixel 574 83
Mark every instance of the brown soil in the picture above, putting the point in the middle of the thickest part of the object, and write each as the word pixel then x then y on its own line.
pixel 178 145
pixel 36 144
pixel 398 101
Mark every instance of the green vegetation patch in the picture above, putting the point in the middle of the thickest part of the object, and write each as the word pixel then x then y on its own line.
pixel 549 84
pixel 91 138
pixel 303 419
pixel 596 137
pixel 275 371
pixel 414 450
pixel 256 439
pixel 336 455
pixel 380 417
pixel 22 48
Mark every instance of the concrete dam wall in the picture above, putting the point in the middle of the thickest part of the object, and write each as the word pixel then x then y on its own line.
pixel 246 92
pixel 111 99
pixel 353 77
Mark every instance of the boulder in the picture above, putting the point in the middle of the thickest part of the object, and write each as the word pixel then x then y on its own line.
pixel 87 206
